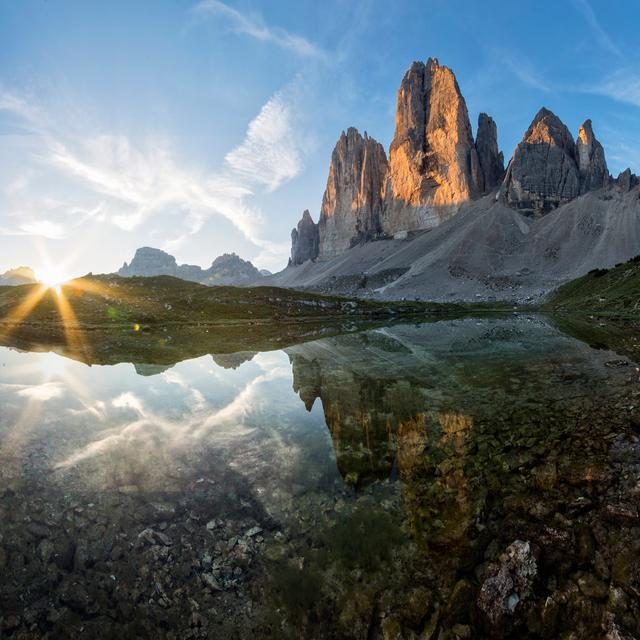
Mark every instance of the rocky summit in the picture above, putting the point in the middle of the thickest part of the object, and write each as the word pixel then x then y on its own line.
pixel 227 269
pixel 553 215
pixel 543 172
pixel 433 163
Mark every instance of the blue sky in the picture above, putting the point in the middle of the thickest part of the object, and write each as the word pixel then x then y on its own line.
pixel 206 126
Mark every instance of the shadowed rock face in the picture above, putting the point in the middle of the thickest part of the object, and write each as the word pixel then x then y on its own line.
pixel 592 165
pixel 353 200
pixel 543 172
pixel 433 164
pixel 627 180
pixel 490 159
pixel 305 240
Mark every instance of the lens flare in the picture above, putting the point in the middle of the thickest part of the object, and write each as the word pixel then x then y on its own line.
pixel 52 278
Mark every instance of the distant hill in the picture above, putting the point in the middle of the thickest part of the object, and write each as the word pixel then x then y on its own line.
pixel 227 269
pixel 18 276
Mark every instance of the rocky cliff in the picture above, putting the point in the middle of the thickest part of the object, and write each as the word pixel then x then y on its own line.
pixel 490 158
pixel 553 215
pixel 305 240
pixel 227 269
pixel 549 169
pixel 353 200
pixel 434 166
pixel 592 165
pixel 433 162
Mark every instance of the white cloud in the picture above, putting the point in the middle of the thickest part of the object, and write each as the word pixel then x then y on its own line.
pixel 42 392
pixel 600 34
pixel 255 27
pixel 623 86
pixel 43 228
pixel 130 186
pixel 269 154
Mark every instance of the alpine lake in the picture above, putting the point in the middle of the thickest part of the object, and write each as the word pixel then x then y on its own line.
pixel 463 478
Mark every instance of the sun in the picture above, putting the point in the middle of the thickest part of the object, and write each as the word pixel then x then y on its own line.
pixel 52 277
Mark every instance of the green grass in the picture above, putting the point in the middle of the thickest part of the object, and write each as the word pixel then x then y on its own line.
pixel 112 300
pixel 613 291
pixel 163 320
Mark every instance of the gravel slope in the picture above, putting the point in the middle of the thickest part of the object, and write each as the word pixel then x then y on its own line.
pixel 487 251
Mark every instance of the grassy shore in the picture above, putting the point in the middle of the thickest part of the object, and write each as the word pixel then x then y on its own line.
pixel 162 320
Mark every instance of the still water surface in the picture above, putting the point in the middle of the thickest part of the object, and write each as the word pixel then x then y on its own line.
pixel 463 479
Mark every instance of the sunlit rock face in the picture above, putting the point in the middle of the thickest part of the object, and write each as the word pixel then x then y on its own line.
pixel 490 158
pixel 305 240
pixel 591 161
pixel 549 169
pixel 353 200
pixel 433 163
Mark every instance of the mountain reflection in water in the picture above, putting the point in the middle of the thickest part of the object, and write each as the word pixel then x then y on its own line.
pixel 465 478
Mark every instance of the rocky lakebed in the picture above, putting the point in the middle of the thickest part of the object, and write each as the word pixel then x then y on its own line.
pixel 470 478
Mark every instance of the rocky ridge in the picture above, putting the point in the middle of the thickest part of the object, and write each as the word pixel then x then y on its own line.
pixel 437 176
pixel 434 166
pixel 227 269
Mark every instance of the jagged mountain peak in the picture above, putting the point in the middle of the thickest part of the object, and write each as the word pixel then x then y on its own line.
pixel 547 128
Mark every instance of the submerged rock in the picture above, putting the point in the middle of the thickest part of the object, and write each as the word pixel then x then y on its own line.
pixel 507 584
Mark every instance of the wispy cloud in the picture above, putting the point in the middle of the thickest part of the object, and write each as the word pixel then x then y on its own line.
pixel 255 27
pixel 131 185
pixel 269 154
pixel 524 71
pixel 602 37
pixel 623 85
